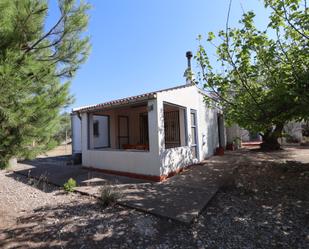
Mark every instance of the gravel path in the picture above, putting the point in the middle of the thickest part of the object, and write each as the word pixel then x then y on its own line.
pixel 265 205
pixel 32 218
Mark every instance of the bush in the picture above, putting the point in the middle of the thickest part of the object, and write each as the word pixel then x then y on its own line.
pixel 70 185
pixel 108 195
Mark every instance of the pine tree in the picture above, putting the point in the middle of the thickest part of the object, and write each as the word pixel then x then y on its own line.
pixel 36 65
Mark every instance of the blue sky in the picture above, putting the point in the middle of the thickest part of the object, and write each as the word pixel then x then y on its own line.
pixel 139 45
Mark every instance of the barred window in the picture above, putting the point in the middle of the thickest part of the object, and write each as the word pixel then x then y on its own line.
pixel 171 129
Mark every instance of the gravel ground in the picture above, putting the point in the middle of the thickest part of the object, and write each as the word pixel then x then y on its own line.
pixel 265 205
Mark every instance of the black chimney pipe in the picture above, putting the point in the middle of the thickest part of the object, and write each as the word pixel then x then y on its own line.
pixel 189 55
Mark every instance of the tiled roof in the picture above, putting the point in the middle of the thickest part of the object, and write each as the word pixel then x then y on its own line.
pixel 132 99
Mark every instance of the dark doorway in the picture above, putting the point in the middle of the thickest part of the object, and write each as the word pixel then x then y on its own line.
pixel 220 122
pixel 123 131
pixel 143 126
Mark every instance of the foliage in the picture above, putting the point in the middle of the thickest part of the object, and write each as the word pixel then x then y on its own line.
pixel 69 185
pixel 264 79
pixel 108 195
pixel 36 65
pixel 63 128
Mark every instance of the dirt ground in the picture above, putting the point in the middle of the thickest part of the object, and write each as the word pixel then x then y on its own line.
pixel 62 150
pixel 264 205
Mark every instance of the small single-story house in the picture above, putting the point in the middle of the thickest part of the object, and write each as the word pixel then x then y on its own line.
pixel 153 135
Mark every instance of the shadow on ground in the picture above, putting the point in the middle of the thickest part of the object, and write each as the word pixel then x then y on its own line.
pixel 266 206
pixel 86 225
pixel 264 203
pixel 197 185
pixel 181 197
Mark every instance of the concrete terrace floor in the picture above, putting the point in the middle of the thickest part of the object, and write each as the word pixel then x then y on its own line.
pixel 181 198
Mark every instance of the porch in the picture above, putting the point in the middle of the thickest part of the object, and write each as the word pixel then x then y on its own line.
pixel 136 139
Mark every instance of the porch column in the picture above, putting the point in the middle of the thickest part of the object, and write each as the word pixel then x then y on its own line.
pixel 156 126
pixel 87 131
pixel 84 131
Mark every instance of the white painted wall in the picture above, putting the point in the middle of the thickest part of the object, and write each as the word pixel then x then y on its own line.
pixel 208 129
pixel 102 139
pixel 189 98
pixel 294 129
pixel 158 160
pixel 76 134
pixel 245 136
pixel 232 133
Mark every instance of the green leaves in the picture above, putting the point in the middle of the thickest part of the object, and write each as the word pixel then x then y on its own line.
pixel 264 80
pixel 211 36
pixel 36 66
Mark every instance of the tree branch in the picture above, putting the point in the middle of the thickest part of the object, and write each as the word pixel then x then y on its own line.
pixel 233 64
pixel 46 34
pixel 289 21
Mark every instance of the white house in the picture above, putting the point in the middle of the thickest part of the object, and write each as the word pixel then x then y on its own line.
pixel 152 135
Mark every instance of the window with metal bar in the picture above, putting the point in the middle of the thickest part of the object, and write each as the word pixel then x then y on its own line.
pixel 171 129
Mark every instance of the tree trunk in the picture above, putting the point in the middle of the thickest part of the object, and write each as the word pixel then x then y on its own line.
pixel 270 138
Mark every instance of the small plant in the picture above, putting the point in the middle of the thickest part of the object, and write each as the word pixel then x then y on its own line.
pixel 108 195
pixel 237 142
pixel 40 182
pixel 69 185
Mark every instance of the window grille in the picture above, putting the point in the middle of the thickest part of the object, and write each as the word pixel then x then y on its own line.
pixel 171 129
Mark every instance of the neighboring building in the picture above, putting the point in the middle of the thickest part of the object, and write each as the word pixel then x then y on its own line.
pixel 152 135
pixel 292 133
pixel 248 136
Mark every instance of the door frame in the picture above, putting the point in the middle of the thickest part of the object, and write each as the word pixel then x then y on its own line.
pixel 196 145
pixel 128 134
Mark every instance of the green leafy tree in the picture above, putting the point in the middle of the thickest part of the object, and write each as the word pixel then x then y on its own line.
pixel 64 128
pixel 36 65
pixel 264 81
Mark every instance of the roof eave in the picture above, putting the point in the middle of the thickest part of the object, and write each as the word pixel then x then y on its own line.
pixel 114 105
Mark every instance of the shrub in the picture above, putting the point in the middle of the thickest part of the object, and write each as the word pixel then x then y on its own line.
pixel 69 185
pixel 108 195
